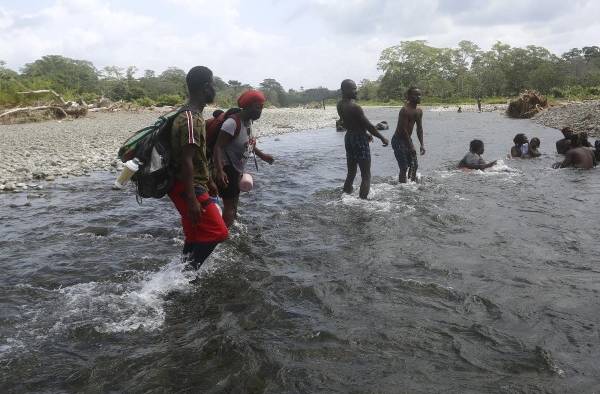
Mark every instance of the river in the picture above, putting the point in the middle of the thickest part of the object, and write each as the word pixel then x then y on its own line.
pixel 466 282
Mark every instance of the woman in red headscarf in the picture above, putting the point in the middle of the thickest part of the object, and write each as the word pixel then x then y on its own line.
pixel 235 143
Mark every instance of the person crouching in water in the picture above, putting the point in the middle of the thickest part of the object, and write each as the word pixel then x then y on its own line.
pixel 473 159
pixel 235 143
pixel 203 226
pixel 534 147
pixel 521 147
pixel 580 156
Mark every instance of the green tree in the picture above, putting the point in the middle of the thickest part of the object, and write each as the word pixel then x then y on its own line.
pixel 64 74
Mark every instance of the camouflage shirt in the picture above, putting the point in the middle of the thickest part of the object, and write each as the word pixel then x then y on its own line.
pixel 189 129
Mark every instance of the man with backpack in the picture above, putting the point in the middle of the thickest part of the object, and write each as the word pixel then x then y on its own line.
pixel 234 145
pixel 203 225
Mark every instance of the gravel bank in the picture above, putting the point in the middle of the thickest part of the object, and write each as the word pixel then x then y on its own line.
pixel 35 152
pixel 580 117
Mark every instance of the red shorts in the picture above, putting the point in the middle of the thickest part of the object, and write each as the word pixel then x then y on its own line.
pixel 210 227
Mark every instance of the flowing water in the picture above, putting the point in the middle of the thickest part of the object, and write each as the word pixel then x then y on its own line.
pixel 466 282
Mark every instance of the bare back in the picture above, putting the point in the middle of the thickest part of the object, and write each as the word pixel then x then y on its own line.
pixel 579 158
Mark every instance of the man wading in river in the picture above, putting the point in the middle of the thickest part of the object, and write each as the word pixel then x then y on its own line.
pixel 357 139
pixel 235 143
pixel 203 226
pixel 404 150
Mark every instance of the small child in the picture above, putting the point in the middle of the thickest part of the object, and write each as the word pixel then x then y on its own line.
pixel 473 159
pixel 534 146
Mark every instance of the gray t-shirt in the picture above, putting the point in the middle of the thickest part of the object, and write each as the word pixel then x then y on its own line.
pixel 472 159
pixel 241 146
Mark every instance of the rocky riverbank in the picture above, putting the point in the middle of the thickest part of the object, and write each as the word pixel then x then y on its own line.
pixel 36 152
pixel 581 117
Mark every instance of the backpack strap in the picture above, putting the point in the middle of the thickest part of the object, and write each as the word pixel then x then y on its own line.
pixel 238 124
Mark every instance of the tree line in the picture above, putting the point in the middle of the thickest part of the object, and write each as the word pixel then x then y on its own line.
pixel 444 75
pixel 467 71
pixel 79 79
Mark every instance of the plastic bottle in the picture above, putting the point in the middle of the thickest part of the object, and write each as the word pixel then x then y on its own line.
pixel 130 168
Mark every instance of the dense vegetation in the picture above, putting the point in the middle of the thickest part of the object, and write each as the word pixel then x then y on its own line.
pixel 444 74
pixel 466 72
pixel 76 79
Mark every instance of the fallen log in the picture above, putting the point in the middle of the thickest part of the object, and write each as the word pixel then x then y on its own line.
pixel 59 110
pixel 43 91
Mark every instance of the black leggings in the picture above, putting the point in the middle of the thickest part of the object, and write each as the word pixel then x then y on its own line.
pixel 194 254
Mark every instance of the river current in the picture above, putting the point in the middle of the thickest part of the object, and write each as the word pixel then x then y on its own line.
pixel 466 282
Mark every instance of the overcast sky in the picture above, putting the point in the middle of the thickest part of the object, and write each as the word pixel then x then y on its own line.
pixel 300 43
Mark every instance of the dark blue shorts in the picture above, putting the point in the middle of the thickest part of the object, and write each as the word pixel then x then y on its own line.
pixel 405 157
pixel 357 146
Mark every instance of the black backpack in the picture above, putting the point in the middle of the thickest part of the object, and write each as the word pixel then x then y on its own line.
pixel 155 176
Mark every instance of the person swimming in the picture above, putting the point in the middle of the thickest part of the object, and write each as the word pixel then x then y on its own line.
pixel 579 156
pixel 473 159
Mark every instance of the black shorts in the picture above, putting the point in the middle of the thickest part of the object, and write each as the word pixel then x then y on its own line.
pixel 233 188
pixel 357 146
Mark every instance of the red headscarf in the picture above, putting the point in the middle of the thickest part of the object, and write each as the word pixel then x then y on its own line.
pixel 250 97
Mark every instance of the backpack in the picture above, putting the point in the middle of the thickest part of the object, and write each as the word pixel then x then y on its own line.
pixel 152 147
pixel 213 126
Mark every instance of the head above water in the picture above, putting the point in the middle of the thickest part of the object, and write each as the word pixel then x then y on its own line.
pixel 567 132
pixel 535 143
pixel 413 95
pixel 520 139
pixel 252 102
pixel 476 146
pixel 200 85
pixel 349 89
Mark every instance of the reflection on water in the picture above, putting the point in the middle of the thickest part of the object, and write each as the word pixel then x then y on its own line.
pixel 465 282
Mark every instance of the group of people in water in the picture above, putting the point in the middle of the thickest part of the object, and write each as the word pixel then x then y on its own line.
pixel 578 151
pixel 203 171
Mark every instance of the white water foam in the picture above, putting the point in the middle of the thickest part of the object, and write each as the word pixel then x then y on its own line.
pixel 383 197
pixel 124 307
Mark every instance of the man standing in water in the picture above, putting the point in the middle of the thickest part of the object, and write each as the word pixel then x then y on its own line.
pixel 404 150
pixel 357 139
pixel 203 227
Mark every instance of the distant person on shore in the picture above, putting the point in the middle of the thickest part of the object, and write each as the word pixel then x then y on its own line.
pixel 473 159
pixel 235 143
pixel 357 139
pixel 402 143
pixel 478 103
pixel 521 147
pixel 203 227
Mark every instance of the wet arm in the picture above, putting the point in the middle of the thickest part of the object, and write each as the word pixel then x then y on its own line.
pixel 262 155
pixel 419 121
pixel 367 124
